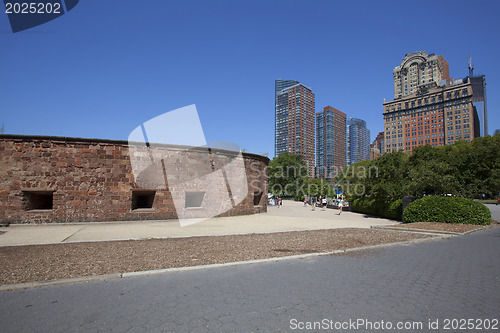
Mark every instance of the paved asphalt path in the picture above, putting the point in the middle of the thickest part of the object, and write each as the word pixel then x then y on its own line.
pixel 495 211
pixel 456 278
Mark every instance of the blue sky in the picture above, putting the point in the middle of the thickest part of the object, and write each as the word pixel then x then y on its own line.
pixel 107 66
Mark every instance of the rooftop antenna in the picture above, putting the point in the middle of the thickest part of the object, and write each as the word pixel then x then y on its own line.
pixel 471 66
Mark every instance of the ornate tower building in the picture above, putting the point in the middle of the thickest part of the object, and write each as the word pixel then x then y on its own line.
pixel 419 72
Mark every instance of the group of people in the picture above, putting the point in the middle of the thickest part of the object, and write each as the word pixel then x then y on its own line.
pixel 275 202
pixel 278 201
pixel 324 203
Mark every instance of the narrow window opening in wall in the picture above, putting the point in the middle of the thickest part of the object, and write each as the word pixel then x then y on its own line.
pixel 39 200
pixel 143 199
pixel 256 198
pixel 194 199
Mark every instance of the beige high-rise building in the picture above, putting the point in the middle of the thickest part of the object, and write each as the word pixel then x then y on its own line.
pixel 430 108
pixel 442 116
pixel 418 73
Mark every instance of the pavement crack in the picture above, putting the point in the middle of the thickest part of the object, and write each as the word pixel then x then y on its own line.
pixel 65 239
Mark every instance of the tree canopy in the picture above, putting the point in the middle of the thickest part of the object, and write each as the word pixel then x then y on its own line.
pixel 287 173
pixel 463 169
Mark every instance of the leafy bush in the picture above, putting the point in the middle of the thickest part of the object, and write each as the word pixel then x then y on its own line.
pixel 447 210
pixel 364 205
pixel 390 210
pixel 395 210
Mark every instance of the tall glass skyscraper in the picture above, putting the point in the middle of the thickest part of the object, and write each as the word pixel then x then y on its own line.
pixel 279 85
pixel 358 141
pixel 330 143
pixel 280 124
pixel 478 84
pixel 294 120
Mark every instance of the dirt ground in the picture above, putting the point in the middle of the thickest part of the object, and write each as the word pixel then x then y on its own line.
pixel 59 261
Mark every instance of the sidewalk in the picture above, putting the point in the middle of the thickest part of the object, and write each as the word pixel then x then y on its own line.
pixel 292 216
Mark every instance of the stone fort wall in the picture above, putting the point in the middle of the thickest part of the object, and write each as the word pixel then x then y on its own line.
pixel 58 179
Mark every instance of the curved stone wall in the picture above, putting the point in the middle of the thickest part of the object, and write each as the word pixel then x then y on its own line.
pixel 57 179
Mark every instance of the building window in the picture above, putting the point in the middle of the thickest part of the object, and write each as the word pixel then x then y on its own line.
pixel 143 199
pixel 38 200
pixel 256 198
pixel 194 199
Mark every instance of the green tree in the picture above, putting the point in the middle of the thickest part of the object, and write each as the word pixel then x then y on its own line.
pixel 383 179
pixel 431 173
pixel 466 169
pixel 476 166
pixel 315 187
pixel 287 174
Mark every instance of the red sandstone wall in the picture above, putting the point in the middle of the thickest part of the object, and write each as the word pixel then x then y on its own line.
pixel 92 180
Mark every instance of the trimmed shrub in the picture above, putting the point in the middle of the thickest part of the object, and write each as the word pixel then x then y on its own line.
pixel 391 210
pixel 395 210
pixel 447 210
pixel 364 205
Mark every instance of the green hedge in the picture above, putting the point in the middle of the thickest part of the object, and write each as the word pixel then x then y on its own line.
pixel 395 210
pixel 390 210
pixel 447 210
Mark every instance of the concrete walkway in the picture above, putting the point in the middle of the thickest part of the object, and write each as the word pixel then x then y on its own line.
pixel 292 216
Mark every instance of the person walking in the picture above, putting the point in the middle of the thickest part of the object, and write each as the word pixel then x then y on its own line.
pixel 305 201
pixel 341 204
pixel 323 202
pixel 313 203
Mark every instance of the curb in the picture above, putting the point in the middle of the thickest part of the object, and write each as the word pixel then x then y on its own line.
pixel 429 232
pixel 29 285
